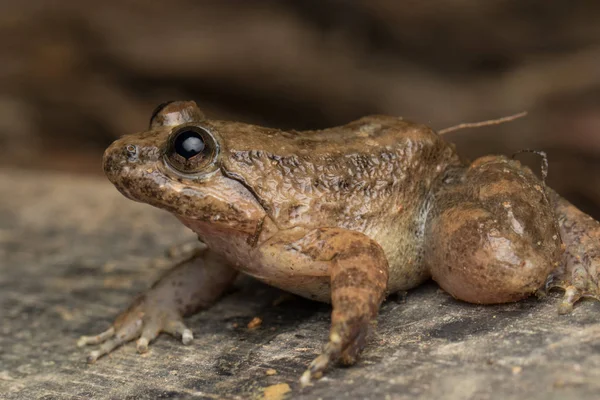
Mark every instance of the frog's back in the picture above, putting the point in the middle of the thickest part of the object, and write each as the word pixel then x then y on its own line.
pixel 372 176
pixel 341 175
pixel 361 136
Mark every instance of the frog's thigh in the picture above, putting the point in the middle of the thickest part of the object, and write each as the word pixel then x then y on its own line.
pixel 492 238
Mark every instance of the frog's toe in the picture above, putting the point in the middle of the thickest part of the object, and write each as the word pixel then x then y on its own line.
pixel 108 341
pixel 127 327
pixel 178 329
pixel 109 345
pixel 96 339
pixel 149 333
pixel 341 347
pixel 571 296
pixel 578 277
pixel 315 370
pixel 171 324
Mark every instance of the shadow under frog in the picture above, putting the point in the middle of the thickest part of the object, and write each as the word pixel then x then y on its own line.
pixel 344 215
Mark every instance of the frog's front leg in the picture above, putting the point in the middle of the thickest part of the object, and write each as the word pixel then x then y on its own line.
pixel 579 272
pixel 357 270
pixel 191 285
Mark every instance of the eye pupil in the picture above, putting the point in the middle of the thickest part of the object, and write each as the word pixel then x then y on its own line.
pixel 188 144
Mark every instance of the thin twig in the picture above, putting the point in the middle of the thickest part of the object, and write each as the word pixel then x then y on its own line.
pixel 483 123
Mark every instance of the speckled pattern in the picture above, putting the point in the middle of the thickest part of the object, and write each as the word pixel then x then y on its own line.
pixel 73 252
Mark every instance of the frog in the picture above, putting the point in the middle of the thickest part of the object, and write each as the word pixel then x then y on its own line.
pixel 345 215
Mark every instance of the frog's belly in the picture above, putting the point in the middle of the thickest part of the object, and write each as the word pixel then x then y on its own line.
pixel 406 271
pixel 403 275
pixel 404 253
pixel 316 288
pixel 406 276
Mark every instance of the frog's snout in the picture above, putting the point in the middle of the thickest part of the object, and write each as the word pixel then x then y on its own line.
pixel 115 159
pixel 120 160
pixel 116 155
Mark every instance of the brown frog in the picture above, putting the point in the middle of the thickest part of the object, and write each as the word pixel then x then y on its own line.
pixel 344 215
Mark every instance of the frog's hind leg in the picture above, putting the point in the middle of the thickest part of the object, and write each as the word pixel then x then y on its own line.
pixel 579 272
pixel 491 234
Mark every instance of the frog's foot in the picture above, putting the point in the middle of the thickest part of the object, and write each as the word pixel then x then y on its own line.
pixel 144 320
pixel 578 278
pixel 346 341
pixel 191 285
pixel 579 273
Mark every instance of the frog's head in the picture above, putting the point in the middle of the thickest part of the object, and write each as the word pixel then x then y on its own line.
pixel 175 166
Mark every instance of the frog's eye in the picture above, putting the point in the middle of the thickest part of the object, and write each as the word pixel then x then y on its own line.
pixel 191 149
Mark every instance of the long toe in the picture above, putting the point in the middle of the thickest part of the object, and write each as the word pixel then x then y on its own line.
pixel 178 329
pixel 97 339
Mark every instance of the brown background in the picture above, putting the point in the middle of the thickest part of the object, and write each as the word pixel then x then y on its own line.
pixel 77 74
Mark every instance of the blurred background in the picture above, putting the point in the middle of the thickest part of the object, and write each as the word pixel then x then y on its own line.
pixel 74 75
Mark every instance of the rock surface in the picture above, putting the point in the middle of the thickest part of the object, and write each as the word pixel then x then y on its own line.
pixel 73 252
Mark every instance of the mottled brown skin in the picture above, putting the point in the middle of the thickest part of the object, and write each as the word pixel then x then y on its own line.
pixel 344 215
pixel 492 234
